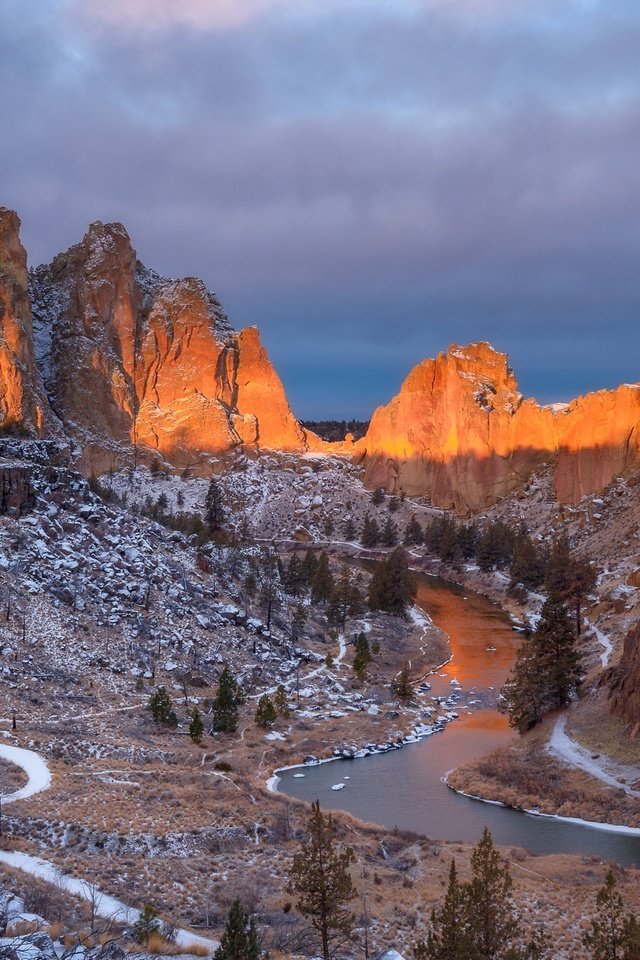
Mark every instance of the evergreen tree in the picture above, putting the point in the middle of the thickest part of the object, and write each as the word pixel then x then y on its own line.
pixel 309 565
pixel 523 694
pixel 528 564
pixel 161 708
pixel 613 934
pixel 558 567
pixel 448 938
pixel 346 598
pixel 581 581
pixel 393 505
pixel 294 576
pixel 322 583
pixel 146 925
pixel 265 712
pixel 214 514
pixel 467 535
pixel 370 535
pixel 490 910
pixel 281 703
pixel 240 938
pixel 349 532
pixel 196 726
pixel 226 703
pixel 298 620
pixel 377 497
pixel 392 587
pixel 558 655
pixel 389 533
pixel 268 583
pixel 546 675
pixel 413 534
pixel 320 879
pixel 402 686
pixel 362 656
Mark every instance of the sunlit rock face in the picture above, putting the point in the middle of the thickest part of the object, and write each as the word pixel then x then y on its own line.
pixel 23 404
pixel 137 364
pixel 460 432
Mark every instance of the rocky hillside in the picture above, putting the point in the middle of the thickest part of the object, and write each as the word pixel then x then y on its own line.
pixel 460 432
pixel 127 364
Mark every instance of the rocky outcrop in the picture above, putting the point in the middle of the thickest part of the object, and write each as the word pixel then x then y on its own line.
pixel 624 683
pixel 23 405
pixel 460 432
pixel 137 365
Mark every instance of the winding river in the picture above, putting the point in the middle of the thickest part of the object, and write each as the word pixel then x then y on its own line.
pixel 404 788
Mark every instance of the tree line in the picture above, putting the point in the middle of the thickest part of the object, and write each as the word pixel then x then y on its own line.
pixel 478 919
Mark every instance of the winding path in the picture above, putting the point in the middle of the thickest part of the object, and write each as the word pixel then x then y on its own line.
pixel 39 779
pixel 608 771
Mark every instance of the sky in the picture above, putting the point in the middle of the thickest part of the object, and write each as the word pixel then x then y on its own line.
pixel 368 181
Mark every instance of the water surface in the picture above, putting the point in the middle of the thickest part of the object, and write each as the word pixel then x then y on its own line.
pixel 404 788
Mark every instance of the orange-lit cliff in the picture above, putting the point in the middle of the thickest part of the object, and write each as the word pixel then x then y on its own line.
pixel 460 432
pixel 135 364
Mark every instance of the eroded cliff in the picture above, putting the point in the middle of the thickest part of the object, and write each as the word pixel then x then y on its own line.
pixel 460 432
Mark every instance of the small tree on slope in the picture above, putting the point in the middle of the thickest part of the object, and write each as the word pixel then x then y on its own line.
pixel 320 879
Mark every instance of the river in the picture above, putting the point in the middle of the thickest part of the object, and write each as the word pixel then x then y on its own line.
pixel 404 788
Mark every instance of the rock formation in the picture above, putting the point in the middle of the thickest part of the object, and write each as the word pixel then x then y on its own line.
pixel 460 432
pixel 136 364
pixel 23 404
pixel 624 683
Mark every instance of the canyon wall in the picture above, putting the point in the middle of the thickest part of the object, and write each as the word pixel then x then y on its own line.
pixel 460 432
pixel 134 365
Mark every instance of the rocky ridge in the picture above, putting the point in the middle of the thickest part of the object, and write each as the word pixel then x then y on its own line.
pixel 460 432
pixel 134 365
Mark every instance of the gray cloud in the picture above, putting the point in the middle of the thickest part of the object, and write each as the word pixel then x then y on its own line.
pixel 365 188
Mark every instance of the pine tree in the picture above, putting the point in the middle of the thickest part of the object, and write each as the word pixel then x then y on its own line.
pixel 448 938
pixel 196 726
pixel 161 708
pixel 294 577
pixel 320 879
pixel 362 656
pixel 528 564
pixel 214 514
pixel 523 694
pixel 298 621
pixel 546 675
pixel 309 565
pixel 402 686
pixel 389 533
pixel 558 654
pixel 281 703
pixel 346 599
pixel 490 909
pixel 581 581
pixel 413 534
pixel 265 712
pixel 146 925
pixel 370 535
pixel 392 587
pixel 349 532
pixel 614 934
pixel 240 938
pixel 377 497
pixel 322 583
pixel 226 703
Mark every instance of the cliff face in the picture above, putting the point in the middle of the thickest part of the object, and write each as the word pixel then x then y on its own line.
pixel 460 431
pixel 135 363
pixel 624 683
pixel 23 403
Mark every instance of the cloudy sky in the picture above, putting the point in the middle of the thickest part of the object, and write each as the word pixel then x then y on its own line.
pixel 366 180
